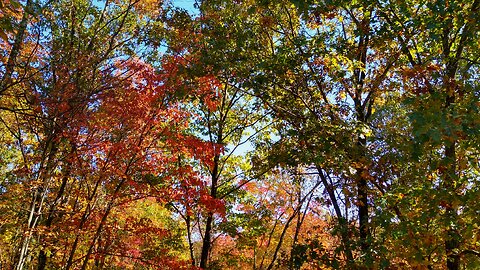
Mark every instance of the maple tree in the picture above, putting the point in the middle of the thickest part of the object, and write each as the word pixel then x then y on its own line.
pixel 90 127
pixel 228 117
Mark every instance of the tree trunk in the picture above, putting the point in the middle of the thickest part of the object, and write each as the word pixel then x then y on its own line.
pixel 189 235
pixel 452 241
pixel 341 219
pixel 207 242
pixel 42 257
pixel 363 112
pixel 362 197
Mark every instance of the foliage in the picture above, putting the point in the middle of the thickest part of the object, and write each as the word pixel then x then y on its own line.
pixel 248 134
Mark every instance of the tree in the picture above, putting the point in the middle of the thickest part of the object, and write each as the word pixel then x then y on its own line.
pixel 228 117
pixel 322 71
pixel 438 49
pixel 91 127
pixel 279 135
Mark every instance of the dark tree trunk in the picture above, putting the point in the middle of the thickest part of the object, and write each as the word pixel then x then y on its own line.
pixel 207 238
pixel 206 242
pixel 362 203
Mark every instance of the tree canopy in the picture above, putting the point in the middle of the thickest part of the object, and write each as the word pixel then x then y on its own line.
pixel 244 134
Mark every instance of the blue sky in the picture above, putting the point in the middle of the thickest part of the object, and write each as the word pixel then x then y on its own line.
pixel 186 4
